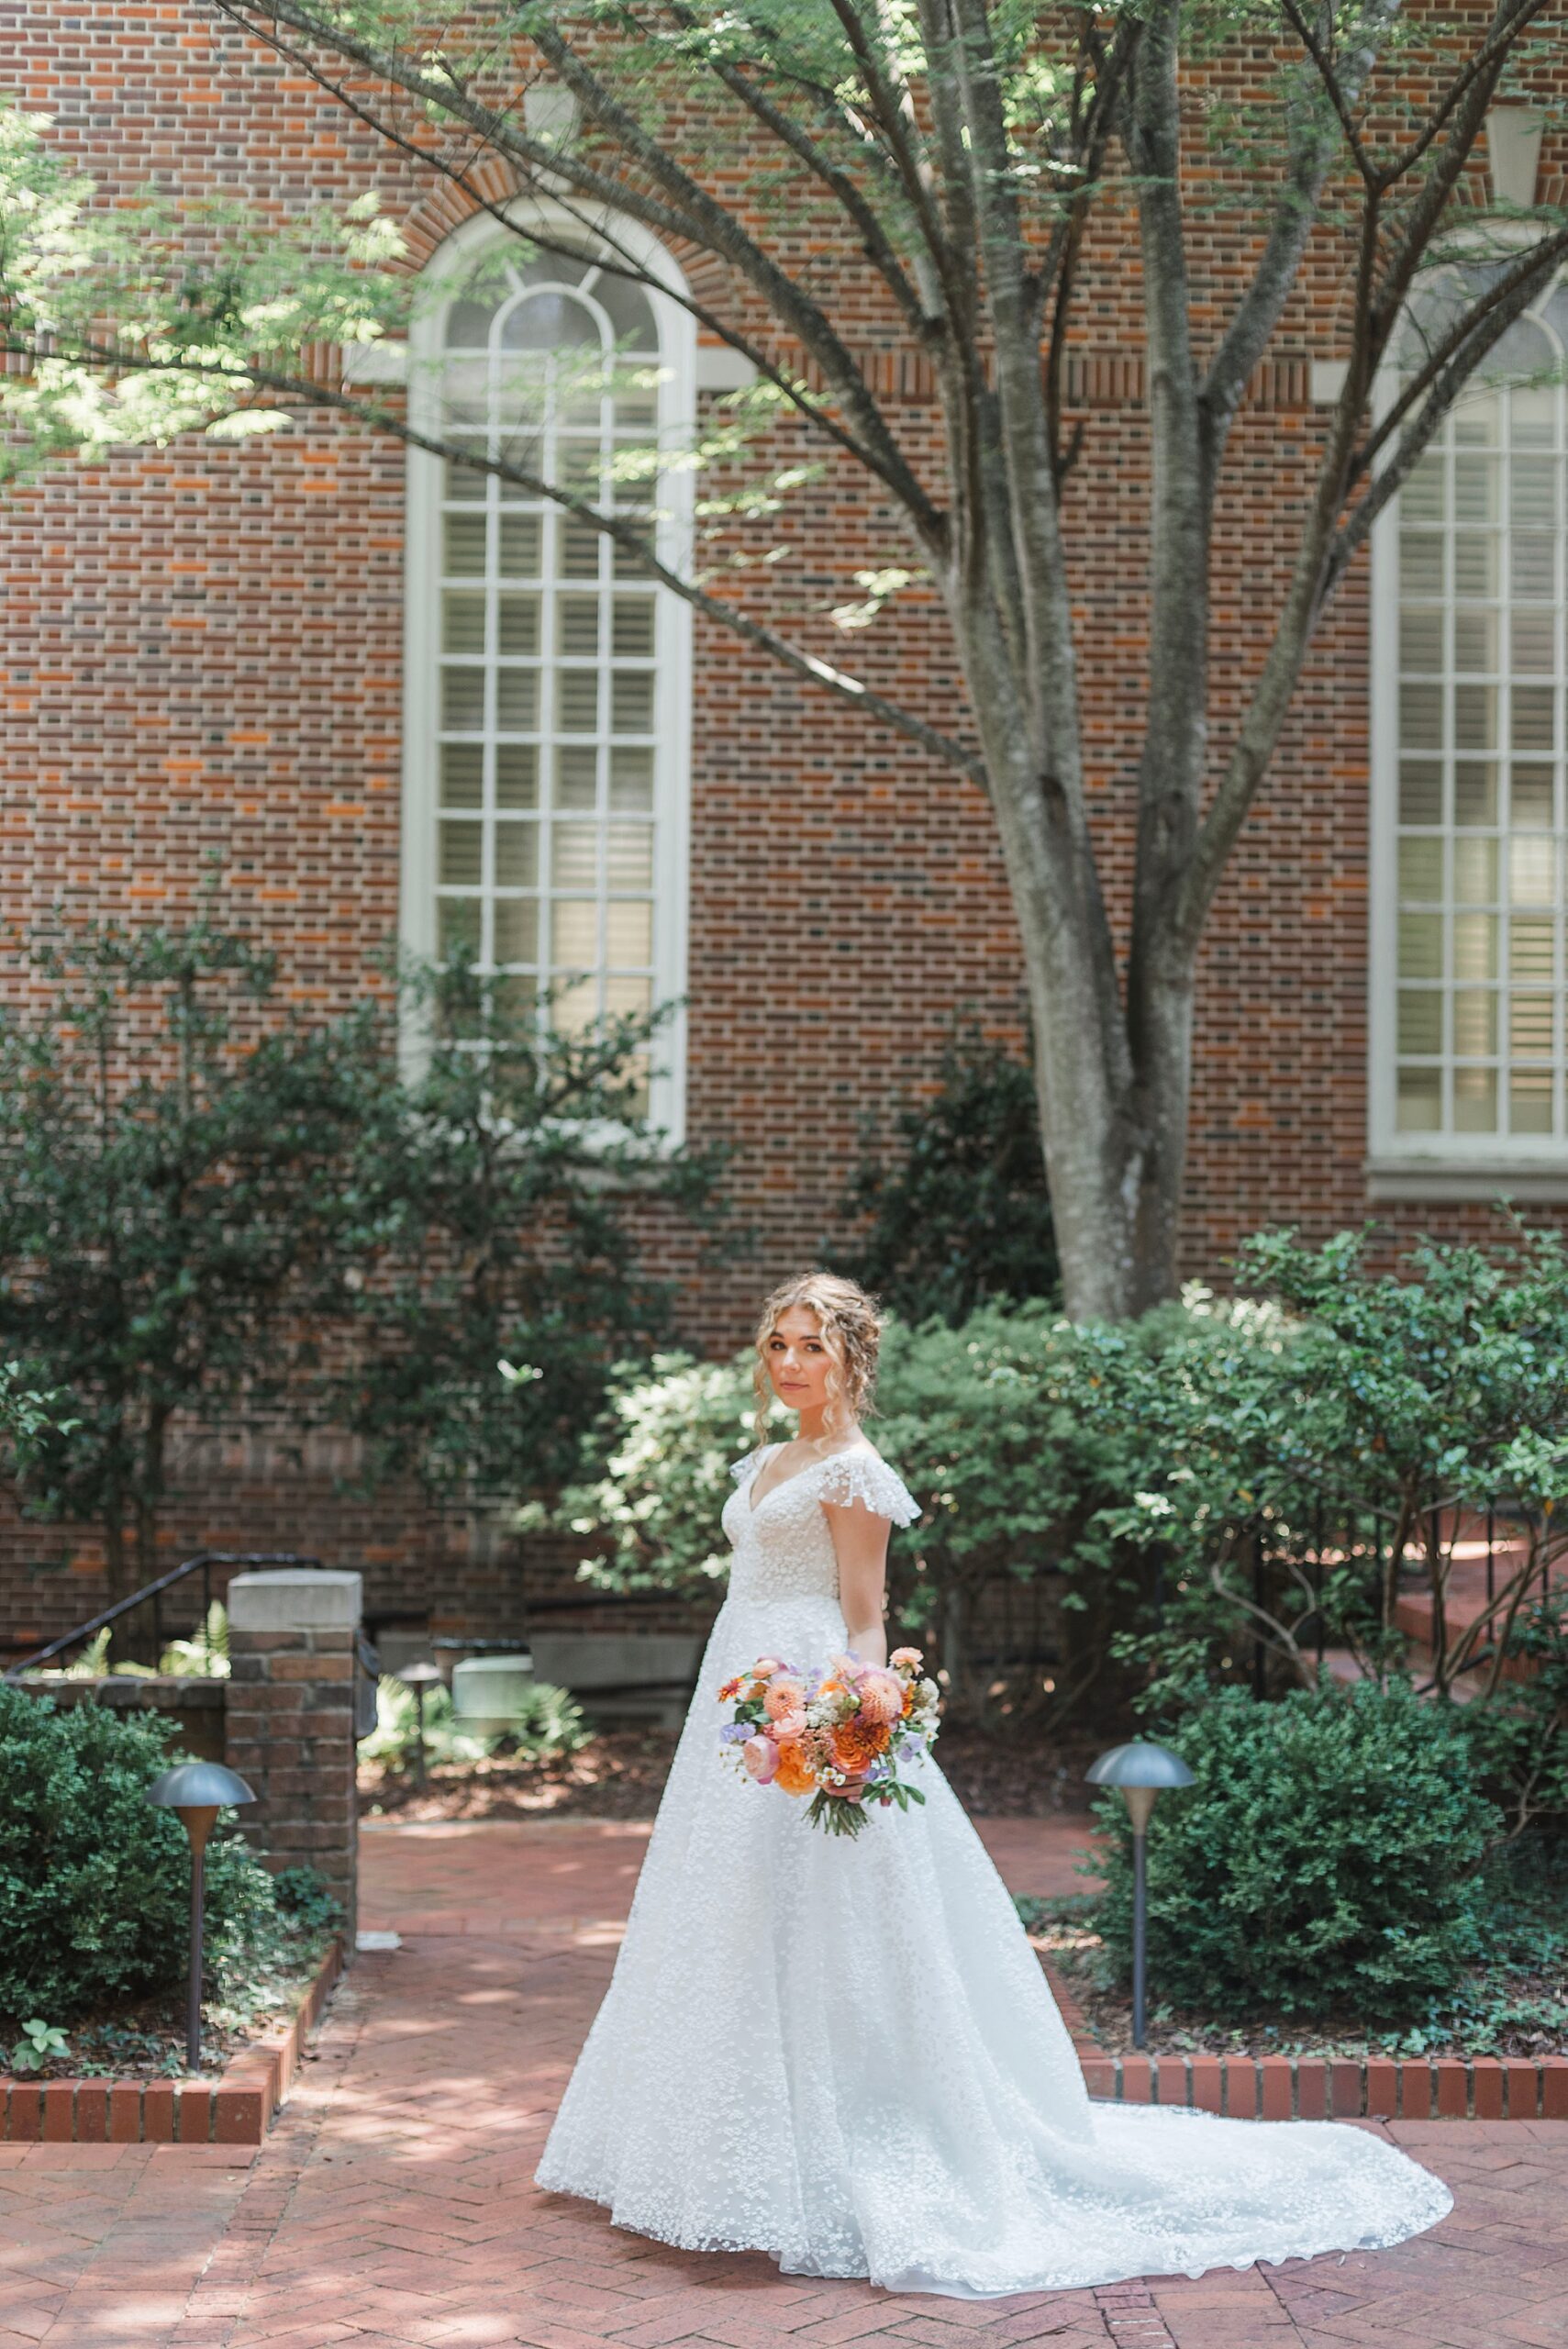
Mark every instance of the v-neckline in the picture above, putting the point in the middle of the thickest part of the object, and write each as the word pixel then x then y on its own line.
pixel 754 1504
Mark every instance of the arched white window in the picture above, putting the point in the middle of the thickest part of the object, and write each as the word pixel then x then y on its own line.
pixel 1470 609
pixel 547 676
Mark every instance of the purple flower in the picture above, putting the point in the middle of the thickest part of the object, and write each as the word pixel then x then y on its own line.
pixel 734 1733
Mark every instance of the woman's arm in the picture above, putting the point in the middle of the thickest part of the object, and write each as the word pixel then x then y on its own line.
pixel 860 1537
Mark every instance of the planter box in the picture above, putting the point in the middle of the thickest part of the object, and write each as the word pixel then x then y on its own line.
pixel 237 2109
pixel 1320 2087
pixel 622 1676
pixel 195 1706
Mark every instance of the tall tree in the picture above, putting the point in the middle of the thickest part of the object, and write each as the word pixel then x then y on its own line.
pixel 976 159
pixel 168 1137
pixel 497 1200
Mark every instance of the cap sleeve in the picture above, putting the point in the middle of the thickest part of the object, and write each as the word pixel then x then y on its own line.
pixel 863 1476
pixel 753 1461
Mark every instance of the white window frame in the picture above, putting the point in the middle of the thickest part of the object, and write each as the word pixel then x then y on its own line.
pixel 449 268
pixel 1438 1165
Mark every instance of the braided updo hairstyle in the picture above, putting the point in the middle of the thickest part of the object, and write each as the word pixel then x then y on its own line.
pixel 850 1324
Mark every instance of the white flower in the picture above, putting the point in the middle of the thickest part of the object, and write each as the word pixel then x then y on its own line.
pixel 1152 1504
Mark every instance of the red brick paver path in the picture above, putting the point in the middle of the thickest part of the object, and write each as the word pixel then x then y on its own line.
pixel 393 2206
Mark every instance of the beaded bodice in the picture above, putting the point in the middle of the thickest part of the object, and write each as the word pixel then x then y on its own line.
pixel 783 1545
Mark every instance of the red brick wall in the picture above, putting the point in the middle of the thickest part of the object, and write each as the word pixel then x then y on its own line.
pixel 203 655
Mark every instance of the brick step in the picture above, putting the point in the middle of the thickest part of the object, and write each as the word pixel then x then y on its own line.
pixel 1319 2088
pixel 236 2109
pixel 1313 2087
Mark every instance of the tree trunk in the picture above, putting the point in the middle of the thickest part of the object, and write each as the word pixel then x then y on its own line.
pixel 1113 1088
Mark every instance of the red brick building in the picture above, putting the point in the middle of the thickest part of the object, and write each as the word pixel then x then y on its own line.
pixel 393 703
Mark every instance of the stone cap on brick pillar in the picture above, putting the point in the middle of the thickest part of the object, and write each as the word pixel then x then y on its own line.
pixel 296 1598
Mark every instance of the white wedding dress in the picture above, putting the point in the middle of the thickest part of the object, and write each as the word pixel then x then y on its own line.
pixel 844 2052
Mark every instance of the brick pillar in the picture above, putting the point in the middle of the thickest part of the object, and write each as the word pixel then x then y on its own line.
pixel 290 1718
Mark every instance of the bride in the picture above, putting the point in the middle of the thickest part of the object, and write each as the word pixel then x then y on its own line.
pixel 842 2052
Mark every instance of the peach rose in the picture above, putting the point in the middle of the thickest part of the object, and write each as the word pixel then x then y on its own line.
pixel 782 1695
pixel 761 1757
pixel 882 1696
pixel 795 1774
pixel 791 1724
pixel 911 1658
pixel 766 1667
pixel 857 1745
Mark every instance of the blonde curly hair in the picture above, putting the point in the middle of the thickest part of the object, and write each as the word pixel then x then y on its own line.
pixel 850 1323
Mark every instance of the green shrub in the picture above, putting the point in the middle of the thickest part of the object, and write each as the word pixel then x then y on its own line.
pixel 1328 1861
pixel 959 1214
pixel 305 1902
pixel 1382 1414
pixel 1518 1744
pixel 1004 1430
pixel 95 1884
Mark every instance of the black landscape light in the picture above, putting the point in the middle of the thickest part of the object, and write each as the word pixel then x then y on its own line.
pixel 198 1791
pixel 1141 1771
pixel 420 1677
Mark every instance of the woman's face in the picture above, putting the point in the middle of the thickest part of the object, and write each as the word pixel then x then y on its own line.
pixel 799 1360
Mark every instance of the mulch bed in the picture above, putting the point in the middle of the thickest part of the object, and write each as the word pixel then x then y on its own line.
pixel 1108 2016
pixel 144 2039
pixel 620 1775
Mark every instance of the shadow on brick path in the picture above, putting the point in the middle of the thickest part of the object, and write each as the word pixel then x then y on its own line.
pixel 393 2206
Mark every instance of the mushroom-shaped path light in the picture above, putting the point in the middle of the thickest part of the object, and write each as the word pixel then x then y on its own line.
pixel 1142 1770
pixel 420 1677
pixel 198 1791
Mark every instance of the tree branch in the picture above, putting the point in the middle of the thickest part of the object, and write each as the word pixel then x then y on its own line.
pixel 721 233
pixel 1527 270
pixel 1170 764
pixel 685 212
pixel 1482 331
pixel 1494 51
pixel 858 211
pixel 1027 525
pixel 1399 270
pixel 1311 149
pixel 1324 556
pixel 537 235
pixel 623 532
pixel 893 110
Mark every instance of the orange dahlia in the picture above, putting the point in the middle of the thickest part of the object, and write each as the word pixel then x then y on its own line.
pixel 794 1772
pixel 857 1743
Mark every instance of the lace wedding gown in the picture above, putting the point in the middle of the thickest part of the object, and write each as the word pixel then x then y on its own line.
pixel 845 2053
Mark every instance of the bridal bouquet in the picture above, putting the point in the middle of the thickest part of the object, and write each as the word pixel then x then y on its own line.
pixel 837 1736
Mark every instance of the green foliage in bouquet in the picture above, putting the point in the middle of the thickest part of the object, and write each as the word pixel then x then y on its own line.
pixel 1326 1862
pixel 95 1884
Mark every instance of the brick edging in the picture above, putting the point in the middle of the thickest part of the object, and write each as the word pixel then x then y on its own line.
pixel 1321 2088
pixel 238 2108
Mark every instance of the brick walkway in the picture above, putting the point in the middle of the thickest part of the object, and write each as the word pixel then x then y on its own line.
pixel 392 2208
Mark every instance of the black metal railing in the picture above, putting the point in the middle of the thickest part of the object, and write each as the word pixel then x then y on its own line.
pixel 1282 1573
pixel 152 1594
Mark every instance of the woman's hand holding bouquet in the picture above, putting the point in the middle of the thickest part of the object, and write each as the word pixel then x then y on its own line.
pixel 837 1736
